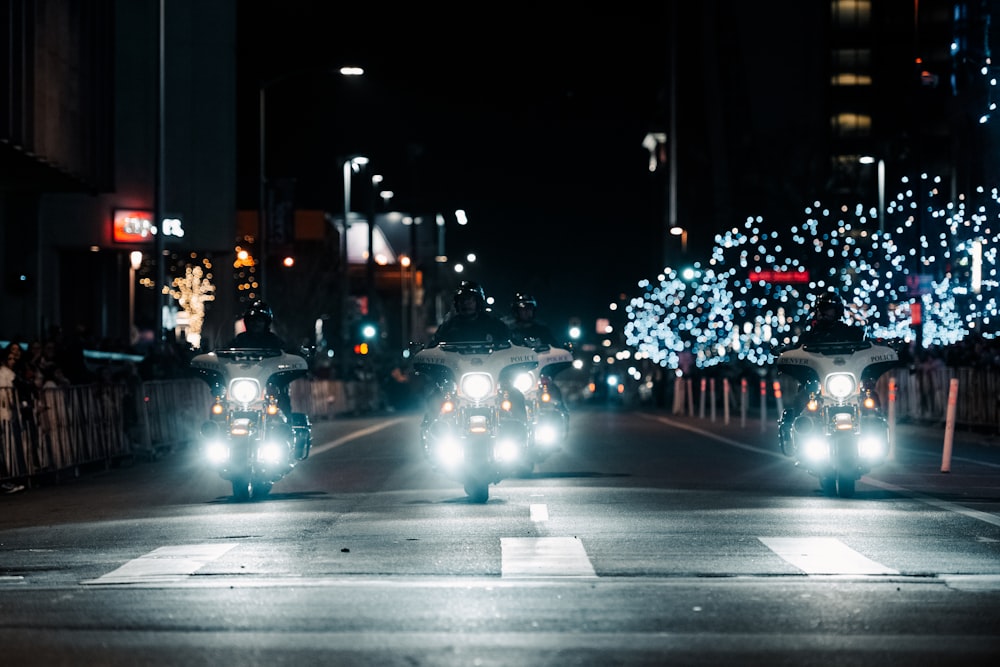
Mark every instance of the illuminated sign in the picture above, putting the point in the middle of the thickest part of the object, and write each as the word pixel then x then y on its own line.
pixel 133 227
pixel 780 276
pixel 136 226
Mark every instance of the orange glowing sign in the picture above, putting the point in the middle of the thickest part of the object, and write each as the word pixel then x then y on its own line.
pixel 133 226
pixel 136 226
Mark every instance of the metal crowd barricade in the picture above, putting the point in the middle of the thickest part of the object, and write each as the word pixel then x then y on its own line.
pixel 68 427
pixel 172 412
pixel 320 399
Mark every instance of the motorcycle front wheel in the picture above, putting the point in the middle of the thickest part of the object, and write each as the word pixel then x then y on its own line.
pixel 245 489
pixel 828 485
pixel 478 492
pixel 845 486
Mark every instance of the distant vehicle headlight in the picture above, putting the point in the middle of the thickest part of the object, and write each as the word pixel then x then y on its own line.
pixel 476 386
pixel 841 385
pixel 244 390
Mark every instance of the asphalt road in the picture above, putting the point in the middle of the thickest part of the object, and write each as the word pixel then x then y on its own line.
pixel 650 539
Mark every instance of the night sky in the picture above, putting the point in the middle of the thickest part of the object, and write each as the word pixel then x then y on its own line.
pixel 531 119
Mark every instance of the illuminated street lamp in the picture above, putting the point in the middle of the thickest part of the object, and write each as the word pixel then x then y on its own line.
pixel 683 233
pixel 135 261
pixel 370 261
pixel 868 159
pixel 351 165
pixel 404 299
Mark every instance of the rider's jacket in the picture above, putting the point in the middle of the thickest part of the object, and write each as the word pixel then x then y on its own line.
pixel 258 339
pixel 831 331
pixel 532 329
pixel 480 327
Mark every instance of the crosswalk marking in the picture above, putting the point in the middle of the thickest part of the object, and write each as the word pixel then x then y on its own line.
pixel 823 555
pixel 544 557
pixel 538 512
pixel 521 557
pixel 164 564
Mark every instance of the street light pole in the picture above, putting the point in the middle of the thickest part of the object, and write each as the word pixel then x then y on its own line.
pixel 262 200
pixel 370 263
pixel 135 261
pixel 161 187
pixel 350 164
pixel 404 301
pixel 881 196
pixel 880 180
pixel 262 213
pixel 683 233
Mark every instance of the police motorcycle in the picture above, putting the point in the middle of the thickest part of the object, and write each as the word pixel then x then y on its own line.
pixel 841 433
pixel 476 428
pixel 247 439
pixel 548 416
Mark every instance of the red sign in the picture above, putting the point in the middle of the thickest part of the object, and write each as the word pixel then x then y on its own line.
pixel 133 226
pixel 780 276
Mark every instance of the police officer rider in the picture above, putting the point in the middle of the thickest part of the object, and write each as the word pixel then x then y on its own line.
pixel 470 321
pixel 257 334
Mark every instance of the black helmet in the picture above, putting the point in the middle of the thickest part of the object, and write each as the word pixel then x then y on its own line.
pixel 829 306
pixel 467 287
pixel 259 313
pixel 521 300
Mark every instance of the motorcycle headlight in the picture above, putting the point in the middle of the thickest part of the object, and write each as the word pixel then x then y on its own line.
pixel 524 382
pixel 872 448
pixel 476 386
pixel 841 385
pixel 244 390
pixel 273 453
pixel 216 452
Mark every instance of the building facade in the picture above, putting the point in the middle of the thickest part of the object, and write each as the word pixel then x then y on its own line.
pixel 116 117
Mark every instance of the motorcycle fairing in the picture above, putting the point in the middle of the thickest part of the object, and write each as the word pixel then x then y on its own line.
pixel 813 363
pixel 269 367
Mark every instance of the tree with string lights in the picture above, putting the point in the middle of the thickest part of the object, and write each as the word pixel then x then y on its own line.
pixel 761 280
pixel 192 291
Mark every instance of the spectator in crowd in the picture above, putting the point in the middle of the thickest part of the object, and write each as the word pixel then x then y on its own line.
pixel 10 400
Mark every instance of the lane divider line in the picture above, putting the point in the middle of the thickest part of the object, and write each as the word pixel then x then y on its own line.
pixel 538 512
pixel 354 435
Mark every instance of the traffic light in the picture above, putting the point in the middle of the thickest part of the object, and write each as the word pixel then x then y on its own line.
pixel 366 333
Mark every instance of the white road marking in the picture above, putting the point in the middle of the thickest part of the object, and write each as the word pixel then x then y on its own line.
pixel 164 564
pixel 823 555
pixel 943 504
pixel 354 435
pixel 539 512
pixel 544 557
pixel 916 495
